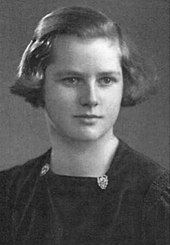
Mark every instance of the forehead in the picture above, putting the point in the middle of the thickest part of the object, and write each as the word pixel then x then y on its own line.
pixel 68 42
pixel 69 50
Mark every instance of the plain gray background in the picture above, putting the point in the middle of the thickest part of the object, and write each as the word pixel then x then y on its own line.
pixel 145 127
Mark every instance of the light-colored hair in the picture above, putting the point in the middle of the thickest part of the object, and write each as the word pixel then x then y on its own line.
pixel 85 23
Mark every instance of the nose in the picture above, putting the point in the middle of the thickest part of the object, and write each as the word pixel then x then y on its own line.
pixel 88 95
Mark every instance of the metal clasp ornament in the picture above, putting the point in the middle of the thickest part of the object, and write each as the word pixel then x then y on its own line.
pixel 44 169
pixel 102 182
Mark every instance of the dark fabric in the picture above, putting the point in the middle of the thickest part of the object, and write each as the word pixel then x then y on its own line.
pixel 54 209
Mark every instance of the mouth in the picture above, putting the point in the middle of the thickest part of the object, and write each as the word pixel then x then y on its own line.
pixel 88 119
pixel 88 116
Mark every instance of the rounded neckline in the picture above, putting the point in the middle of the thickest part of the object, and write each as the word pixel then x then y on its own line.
pixel 108 173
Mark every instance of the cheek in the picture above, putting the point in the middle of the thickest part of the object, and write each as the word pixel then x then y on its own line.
pixel 59 99
pixel 113 98
pixel 113 104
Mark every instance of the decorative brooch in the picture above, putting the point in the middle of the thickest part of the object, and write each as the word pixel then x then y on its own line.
pixel 45 169
pixel 103 181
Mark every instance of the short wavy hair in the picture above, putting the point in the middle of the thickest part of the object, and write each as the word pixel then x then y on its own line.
pixel 83 22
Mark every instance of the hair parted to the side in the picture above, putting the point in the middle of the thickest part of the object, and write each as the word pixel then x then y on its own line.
pixel 85 23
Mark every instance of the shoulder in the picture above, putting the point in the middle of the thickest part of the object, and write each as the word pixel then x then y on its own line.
pixel 15 176
pixel 152 182
pixel 156 211
pixel 139 168
pixel 152 176
pixel 135 157
pixel 17 183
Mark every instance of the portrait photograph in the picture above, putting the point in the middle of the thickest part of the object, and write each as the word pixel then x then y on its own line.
pixel 84 122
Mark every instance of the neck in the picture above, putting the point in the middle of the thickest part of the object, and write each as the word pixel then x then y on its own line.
pixel 82 158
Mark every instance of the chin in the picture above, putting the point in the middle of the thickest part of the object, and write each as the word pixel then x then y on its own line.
pixel 86 136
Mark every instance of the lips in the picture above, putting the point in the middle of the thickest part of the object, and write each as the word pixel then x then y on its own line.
pixel 88 116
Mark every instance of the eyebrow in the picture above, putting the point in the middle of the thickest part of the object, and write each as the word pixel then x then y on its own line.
pixel 110 73
pixel 76 73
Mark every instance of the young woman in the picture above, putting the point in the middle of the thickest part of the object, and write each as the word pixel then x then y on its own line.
pixel 90 187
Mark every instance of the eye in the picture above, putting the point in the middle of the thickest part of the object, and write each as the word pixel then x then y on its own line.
pixel 70 81
pixel 106 81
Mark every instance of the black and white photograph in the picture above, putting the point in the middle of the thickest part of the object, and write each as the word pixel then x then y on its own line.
pixel 84 122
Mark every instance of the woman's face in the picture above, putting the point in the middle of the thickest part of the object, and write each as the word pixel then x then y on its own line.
pixel 83 88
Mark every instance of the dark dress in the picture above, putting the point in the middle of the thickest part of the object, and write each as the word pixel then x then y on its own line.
pixel 40 207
